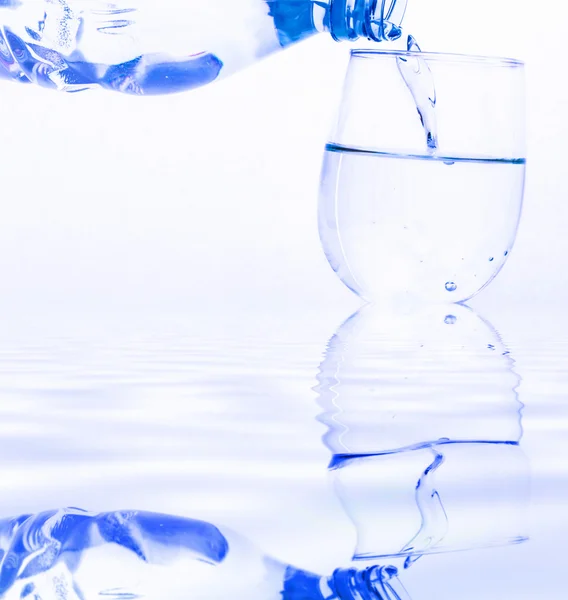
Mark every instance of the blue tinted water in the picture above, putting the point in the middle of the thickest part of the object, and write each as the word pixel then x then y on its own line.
pixel 380 211
pixel 225 423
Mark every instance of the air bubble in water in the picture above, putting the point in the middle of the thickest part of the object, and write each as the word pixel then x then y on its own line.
pixel 451 286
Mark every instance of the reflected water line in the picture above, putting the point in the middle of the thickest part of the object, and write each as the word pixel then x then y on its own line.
pixel 340 460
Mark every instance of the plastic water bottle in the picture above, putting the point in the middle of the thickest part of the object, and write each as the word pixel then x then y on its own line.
pixel 146 47
pixel 74 555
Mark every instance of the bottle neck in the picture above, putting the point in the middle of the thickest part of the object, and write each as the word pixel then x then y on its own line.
pixel 373 583
pixel 375 20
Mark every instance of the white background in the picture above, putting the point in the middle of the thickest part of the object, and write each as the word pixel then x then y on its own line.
pixel 205 203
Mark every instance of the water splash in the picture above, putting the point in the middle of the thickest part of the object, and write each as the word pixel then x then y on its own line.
pixel 420 81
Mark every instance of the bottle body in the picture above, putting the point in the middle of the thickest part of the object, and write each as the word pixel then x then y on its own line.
pixel 144 47
pixel 76 555
pixel 127 554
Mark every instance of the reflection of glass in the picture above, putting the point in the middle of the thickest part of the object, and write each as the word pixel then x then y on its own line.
pixel 426 204
pixel 424 423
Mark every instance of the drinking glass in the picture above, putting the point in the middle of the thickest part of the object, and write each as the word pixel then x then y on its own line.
pixel 423 176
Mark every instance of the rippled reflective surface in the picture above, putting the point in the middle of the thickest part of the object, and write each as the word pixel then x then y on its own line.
pixel 425 425
pixel 396 438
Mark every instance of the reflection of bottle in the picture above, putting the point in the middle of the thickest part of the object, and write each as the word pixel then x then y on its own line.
pixel 158 47
pixel 424 424
pixel 70 554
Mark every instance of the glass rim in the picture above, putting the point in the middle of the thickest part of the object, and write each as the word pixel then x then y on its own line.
pixel 448 57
